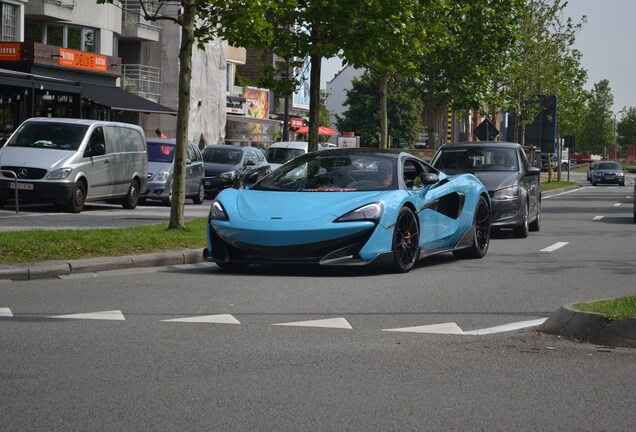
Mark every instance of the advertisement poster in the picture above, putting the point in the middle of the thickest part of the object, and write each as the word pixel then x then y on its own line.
pixel 257 102
pixel 301 95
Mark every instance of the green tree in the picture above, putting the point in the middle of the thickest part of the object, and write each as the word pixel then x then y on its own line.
pixel 597 129
pixel 197 20
pixel 467 42
pixel 542 61
pixel 626 127
pixel 362 115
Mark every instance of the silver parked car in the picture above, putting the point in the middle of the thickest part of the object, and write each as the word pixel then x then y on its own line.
pixel 161 169
pixel 513 185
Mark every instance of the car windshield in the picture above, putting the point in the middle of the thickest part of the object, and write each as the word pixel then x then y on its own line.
pixel 608 166
pixel 160 152
pixel 472 159
pixel 333 172
pixel 223 156
pixel 57 136
pixel 280 155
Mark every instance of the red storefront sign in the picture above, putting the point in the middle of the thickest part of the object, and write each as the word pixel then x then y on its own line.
pixel 296 123
pixel 10 52
pixel 83 60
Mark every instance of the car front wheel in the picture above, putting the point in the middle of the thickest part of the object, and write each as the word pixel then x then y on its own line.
pixel 481 232
pixel 78 198
pixel 521 231
pixel 200 196
pixel 406 237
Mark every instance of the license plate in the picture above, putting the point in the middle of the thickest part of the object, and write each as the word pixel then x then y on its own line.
pixel 22 186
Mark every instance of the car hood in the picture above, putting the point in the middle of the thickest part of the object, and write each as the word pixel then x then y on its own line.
pixel 47 159
pixel 216 168
pixel 155 167
pixel 607 171
pixel 256 205
pixel 495 180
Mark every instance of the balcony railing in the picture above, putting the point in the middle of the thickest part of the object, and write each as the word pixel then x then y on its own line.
pixel 134 7
pixel 64 3
pixel 142 80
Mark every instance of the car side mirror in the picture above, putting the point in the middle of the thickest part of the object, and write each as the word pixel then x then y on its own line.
pixel 532 171
pixel 249 163
pixel 429 178
pixel 188 161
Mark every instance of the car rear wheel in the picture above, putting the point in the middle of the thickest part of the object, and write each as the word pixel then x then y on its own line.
pixel 132 197
pixel 481 232
pixel 200 196
pixel 78 198
pixel 521 231
pixel 406 237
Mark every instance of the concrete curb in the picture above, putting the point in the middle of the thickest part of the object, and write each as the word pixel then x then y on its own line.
pixel 54 269
pixel 590 327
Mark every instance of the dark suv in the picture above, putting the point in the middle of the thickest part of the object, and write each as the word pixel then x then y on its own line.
pixel 228 166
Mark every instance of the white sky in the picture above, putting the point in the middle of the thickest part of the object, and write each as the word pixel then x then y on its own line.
pixel 607 42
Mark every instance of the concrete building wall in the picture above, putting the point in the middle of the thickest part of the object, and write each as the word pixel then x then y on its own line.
pixel 337 91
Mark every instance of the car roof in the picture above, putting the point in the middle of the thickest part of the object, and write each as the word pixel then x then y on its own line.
pixel 290 144
pixel 469 144
pixel 229 147
pixel 165 141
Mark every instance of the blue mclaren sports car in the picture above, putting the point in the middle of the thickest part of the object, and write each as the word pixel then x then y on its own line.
pixel 350 207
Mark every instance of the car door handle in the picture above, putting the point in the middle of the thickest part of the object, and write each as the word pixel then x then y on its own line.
pixel 106 161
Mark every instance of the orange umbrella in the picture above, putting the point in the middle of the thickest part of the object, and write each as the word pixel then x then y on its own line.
pixel 322 130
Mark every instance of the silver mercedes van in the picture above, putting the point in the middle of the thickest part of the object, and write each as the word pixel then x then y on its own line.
pixel 68 162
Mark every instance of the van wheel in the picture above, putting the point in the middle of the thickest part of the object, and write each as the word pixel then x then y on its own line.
pixel 132 197
pixel 78 198
pixel 200 196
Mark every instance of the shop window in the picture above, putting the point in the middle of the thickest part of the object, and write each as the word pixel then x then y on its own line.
pixel 33 32
pixel 55 35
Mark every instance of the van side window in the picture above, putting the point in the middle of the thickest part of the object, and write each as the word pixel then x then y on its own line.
pixel 97 137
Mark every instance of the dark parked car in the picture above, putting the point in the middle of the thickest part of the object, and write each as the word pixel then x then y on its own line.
pixel 228 166
pixel 513 185
pixel 608 172
pixel 634 202
pixel 161 168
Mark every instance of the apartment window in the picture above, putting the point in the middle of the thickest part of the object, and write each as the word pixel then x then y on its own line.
pixel 72 37
pixel 9 22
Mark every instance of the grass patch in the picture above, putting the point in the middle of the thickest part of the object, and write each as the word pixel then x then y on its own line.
pixel 547 186
pixel 31 246
pixel 614 309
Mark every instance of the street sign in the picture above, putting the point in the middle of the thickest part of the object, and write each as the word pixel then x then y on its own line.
pixel 486 131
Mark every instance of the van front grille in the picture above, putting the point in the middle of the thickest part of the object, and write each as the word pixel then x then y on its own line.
pixel 25 173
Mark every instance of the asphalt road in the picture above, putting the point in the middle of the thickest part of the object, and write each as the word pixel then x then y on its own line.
pixel 350 359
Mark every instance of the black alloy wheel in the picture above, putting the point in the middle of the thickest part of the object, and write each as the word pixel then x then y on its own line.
pixel 406 239
pixel 481 232
pixel 200 196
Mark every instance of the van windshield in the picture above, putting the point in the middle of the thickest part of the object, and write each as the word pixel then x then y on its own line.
pixel 57 136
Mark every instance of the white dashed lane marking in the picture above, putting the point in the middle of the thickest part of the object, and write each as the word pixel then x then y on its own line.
pixel 325 323
pixel 598 218
pixel 453 328
pixel 6 312
pixel 557 245
pixel 209 319
pixel 114 315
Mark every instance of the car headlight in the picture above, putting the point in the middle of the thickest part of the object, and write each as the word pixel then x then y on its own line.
pixel 161 176
pixel 62 173
pixel 217 212
pixel 507 193
pixel 620 174
pixel 229 176
pixel 369 212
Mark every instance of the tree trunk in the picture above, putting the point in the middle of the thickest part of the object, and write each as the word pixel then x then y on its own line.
pixel 314 101
pixel 383 90
pixel 177 211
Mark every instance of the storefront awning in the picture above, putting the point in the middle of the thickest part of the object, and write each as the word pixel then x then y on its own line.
pixel 120 100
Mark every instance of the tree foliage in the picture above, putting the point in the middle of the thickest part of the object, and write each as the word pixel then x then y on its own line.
pixel 597 129
pixel 362 115
pixel 626 127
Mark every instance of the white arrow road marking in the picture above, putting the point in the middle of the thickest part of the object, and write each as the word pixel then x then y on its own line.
pixel 453 328
pixel 210 319
pixel 557 245
pixel 598 218
pixel 507 327
pixel 445 328
pixel 5 312
pixel 326 323
pixel 115 315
